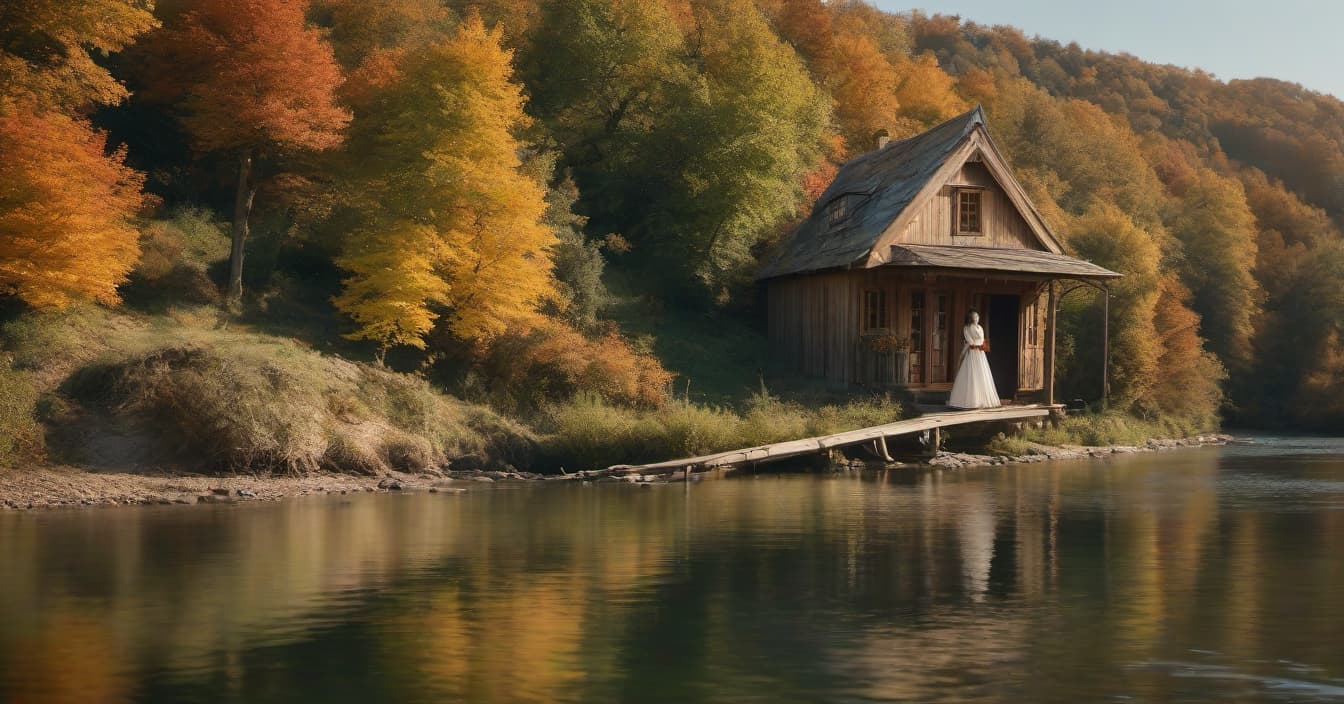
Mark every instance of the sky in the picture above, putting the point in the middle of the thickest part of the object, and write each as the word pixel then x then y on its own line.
pixel 1294 40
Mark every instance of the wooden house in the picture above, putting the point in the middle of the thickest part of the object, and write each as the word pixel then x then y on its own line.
pixel 872 289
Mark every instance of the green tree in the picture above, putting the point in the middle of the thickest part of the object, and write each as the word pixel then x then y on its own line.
pixel 725 164
pixel 597 72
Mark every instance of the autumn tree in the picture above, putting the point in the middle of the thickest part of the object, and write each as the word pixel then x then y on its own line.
pixel 453 225
pixel 1107 236
pixel 46 49
pixel 927 95
pixel 1217 234
pixel 66 205
pixel 862 83
pixel 66 209
pixel 1189 387
pixel 250 79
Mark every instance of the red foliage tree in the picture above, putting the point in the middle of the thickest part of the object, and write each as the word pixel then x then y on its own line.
pixel 250 78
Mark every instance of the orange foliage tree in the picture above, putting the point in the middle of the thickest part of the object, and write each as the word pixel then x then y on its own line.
pixel 66 206
pixel 66 229
pixel 863 84
pixel 250 78
pixel 1191 375
pixel 550 361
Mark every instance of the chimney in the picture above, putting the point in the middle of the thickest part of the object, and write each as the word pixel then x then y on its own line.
pixel 880 139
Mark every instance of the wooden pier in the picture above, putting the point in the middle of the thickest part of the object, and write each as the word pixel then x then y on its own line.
pixel 874 437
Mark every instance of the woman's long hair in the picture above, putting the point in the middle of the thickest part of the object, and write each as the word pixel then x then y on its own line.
pixel 970 313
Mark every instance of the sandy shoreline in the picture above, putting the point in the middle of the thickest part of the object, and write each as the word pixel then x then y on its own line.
pixel 50 487
pixel 71 487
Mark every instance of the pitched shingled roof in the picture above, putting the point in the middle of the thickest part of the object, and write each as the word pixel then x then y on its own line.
pixel 1023 261
pixel 886 183
pixel 890 178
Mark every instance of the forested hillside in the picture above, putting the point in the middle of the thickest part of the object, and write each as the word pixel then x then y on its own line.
pixel 529 201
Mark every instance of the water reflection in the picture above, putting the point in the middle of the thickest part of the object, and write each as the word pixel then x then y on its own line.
pixel 1207 575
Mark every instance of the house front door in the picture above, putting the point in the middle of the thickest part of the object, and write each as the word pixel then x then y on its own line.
pixel 1002 331
pixel 940 338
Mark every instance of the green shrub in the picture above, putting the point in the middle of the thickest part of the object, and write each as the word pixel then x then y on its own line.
pixel 175 256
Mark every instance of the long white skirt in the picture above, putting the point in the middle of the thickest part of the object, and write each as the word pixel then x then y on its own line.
pixel 974 387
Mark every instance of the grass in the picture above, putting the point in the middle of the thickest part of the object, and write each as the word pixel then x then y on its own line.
pixel 718 355
pixel 589 433
pixel 1094 430
pixel 103 388
pixel 20 432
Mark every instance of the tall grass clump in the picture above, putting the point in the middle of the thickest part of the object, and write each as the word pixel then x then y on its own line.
pixel 1095 430
pixel 256 404
pixel 20 432
pixel 589 432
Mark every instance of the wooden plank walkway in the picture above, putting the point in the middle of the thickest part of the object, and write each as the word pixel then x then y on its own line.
pixel 876 434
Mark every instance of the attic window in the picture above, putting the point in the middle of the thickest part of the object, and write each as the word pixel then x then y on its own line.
pixel 969 212
pixel 836 212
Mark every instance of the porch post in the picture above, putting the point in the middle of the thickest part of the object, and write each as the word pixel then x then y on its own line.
pixel 1105 345
pixel 1050 346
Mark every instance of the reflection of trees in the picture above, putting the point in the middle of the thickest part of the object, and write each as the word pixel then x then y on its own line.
pixel 898 586
pixel 72 660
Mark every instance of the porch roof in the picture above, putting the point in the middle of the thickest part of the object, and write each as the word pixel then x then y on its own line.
pixel 1008 261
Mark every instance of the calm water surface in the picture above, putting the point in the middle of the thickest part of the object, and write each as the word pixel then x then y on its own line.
pixel 1203 576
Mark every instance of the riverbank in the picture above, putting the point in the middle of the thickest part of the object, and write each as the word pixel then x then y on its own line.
pixel 1037 452
pixel 70 487
pixel 53 487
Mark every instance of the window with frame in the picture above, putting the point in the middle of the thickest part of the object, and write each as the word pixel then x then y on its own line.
pixel 874 310
pixel 969 212
pixel 836 212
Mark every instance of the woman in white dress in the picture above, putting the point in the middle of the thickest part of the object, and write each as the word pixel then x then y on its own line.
pixel 974 387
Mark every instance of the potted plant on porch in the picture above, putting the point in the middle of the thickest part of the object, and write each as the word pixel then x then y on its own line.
pixel 888 345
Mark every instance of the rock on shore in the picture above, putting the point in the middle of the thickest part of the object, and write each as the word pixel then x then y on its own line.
pixel 1044 453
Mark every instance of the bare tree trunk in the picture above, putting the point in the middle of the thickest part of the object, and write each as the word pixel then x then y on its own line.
pixel 242 208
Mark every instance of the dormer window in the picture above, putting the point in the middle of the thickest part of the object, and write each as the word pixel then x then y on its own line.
pixel 840 210
pixel 836 212
pixel 969 212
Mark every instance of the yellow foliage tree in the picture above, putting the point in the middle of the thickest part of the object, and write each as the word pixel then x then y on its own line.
pixel 45 50
pixel 1217 232
pixel 926 93
pixel 1108 236
pixel 451 224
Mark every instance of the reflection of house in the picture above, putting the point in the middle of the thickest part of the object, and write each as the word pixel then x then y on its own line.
pixel 906 240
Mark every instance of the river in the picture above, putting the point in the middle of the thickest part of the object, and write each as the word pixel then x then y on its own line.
pixel 1207 575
